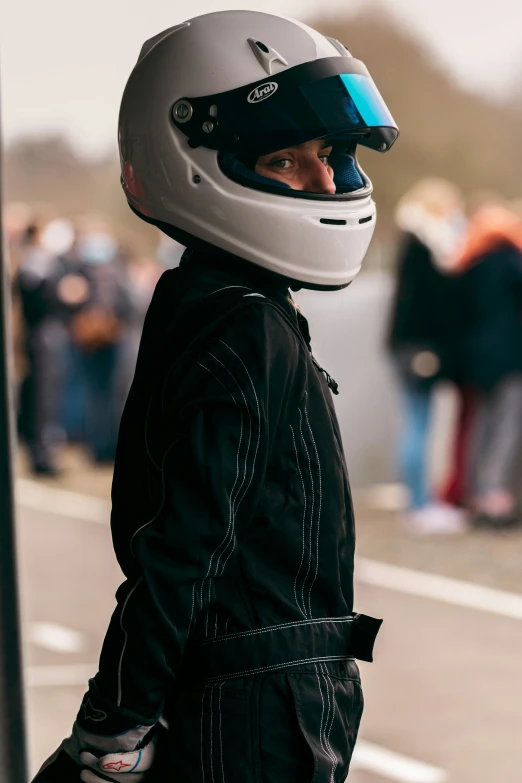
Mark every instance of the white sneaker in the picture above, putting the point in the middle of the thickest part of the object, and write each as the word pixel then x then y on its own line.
pixel 436 519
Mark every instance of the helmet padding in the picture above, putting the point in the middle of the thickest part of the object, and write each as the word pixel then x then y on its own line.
pixel 235 167
pixel 347 176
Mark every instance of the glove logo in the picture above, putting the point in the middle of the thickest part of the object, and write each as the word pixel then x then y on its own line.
pixel 91 713
pixel 115 766
pixel 262 92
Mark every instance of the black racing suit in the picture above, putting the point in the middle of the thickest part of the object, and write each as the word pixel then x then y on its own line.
pixel 232 520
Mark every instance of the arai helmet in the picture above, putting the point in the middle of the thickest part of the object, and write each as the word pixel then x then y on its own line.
pixel 209 96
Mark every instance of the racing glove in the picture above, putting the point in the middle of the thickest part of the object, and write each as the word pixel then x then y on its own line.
pixel 106 744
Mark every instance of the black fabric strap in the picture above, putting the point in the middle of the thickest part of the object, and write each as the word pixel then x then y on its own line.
pixel 284 646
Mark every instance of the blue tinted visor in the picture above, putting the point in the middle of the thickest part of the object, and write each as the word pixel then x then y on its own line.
pixel 364 103
pixel 333 97
pixel 348 102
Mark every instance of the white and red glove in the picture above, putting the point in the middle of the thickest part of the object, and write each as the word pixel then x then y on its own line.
pixel 106 744
pixel 126 758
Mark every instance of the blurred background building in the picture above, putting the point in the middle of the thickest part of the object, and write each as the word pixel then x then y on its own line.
pixel 426 346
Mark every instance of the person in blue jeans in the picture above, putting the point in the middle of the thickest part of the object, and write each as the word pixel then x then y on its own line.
pixel 423 336
pixel 417 401
pixel 97 330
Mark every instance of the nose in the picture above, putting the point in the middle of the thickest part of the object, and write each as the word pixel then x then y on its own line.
pixel 318 178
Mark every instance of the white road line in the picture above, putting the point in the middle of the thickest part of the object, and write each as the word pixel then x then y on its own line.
pixel 54 637
pixel 63 502
pixel 394 766
pixel 53 676
pixel 440 588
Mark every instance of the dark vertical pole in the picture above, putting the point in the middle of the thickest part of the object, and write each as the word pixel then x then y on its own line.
pixel 13 763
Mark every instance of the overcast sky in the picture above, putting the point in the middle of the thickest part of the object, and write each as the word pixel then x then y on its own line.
pixel 65 63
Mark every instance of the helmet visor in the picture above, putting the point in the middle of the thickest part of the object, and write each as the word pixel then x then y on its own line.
pixel 330 97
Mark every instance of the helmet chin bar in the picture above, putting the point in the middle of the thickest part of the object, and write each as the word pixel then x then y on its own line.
pixel 192 242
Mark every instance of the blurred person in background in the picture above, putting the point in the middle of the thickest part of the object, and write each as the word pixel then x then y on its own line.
pixel 97 329
pixel 456 488
pixel 423 336
pixel 74 292
pixel 45 337
pixel 231 507
pixel 490 265
pixel 141 279
pixel 17 216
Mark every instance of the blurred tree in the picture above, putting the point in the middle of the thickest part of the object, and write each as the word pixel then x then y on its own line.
pixel 47 173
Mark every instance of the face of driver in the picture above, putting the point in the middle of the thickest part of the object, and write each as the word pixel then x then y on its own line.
pixel 304 167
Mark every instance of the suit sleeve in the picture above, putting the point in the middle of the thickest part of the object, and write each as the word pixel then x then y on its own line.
pixel 228 399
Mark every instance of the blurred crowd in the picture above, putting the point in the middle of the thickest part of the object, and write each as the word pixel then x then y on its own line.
pixel 80 298
pixel 457 317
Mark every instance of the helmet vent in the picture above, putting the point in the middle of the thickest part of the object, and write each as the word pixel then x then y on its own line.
pixel 332 222
pixel 366 219
pixel 265 55
pixel 341 48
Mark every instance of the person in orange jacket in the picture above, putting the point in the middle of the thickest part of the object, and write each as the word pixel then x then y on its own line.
pixel 490 268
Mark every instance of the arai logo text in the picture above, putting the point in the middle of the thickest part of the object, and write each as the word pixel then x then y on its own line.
pixel 262 92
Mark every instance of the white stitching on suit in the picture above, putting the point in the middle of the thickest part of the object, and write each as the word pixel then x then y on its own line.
pixel 221 733
pixel 322 710
pixel 331 724
pixel 258 434
pixel 318 513
pixel 226 288
pixel 235 502
pixel 160 509
pixel 268 629
pixel 275 666
pixel 234 499
pixel 311 510
pixel 331 707
pixel 192 609
pixel 120 664
pixel 156 515
pixel 195 340
pixel 301 609
pixel 230 502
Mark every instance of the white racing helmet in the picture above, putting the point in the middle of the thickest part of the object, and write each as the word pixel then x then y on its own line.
pixel 209 96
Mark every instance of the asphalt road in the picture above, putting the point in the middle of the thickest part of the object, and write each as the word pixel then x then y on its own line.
pixel 443 698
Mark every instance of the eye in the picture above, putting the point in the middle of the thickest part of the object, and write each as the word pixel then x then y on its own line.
pixel 324 158
pixel 281 163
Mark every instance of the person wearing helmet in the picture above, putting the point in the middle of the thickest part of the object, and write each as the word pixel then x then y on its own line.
pixel 232 648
